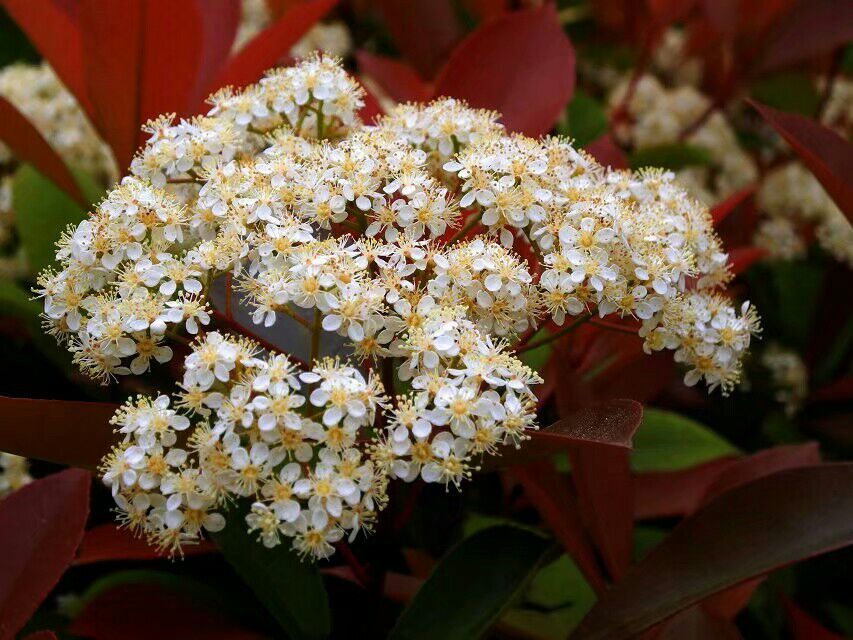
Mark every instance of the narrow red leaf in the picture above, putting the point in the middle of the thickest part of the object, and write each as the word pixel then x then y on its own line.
pixel 220 29
pixel 675 493
pixel 41 525
pixel 742 258
pixel 553 498
pixel 761 464
pixel 696 623
pixel 399 81
pixel 838 391
pixel 803 626
pixel 720 212
pixel 77 434
pixel 607 152
pixel 611 423
pixel 602 477
pixel 44 634
pixel 751 530
pixel 272 44
pixel 811 29
pixel 520 64
pixel 827 155
pixel 140 611
pixel 107 542
pixel 371 109
pixel 53 31
pixel 112 46
pixel 29 146
pixel 727 604
pixel 425 31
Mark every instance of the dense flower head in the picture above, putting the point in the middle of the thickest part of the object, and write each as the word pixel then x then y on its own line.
pixel 430 241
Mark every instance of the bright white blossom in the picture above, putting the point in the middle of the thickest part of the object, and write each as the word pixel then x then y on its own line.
pixel 429 242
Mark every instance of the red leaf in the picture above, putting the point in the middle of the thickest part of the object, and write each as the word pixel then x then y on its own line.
pixel 44 634
pixel 696 623
pixel 602 477
pixel 425 31
pixel 827 155
pixel 41 525
pixel 267 48
pixel 727 604
pixel 53 31
pixel 607 152
pixel 76 434
pixel 141 611
pixel 750 531
pixel 761 464
pixel 611 423
pixel 113 45
pixel 811 29
pixel 742 258
pixel 220 29
pixel 108 542
pixel 521 65
pixel 803 626
pixel 553 498
pixel 838 391
pixel 397 79
pixel 720 211
pixel 675 493
pixel 28 145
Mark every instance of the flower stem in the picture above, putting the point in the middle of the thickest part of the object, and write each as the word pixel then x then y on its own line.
pixel 554 336
pixel 315 335
pixel 469 224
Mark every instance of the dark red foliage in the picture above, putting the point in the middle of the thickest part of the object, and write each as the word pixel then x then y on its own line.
pixel 40 528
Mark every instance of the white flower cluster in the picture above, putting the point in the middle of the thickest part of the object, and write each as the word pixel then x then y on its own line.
pixel 430 241
pixel 306 447
pixel 39 95
pixel 14 473
pixel 329 37
pixel 791 200
pixel 789 376
pixel 658 116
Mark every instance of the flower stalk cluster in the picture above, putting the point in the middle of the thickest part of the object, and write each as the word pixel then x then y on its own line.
pixel 428 241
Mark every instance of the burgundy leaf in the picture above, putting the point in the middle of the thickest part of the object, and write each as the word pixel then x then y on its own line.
pixel 272 44
pixel 812 28
pixel 803 626
pixel 44 634
pixel 763 463
pixel 140 611
pixel 54 32
pixel 76 434
pixel 220 29
pixel 720 212
pixel 397 80
pixel 108 542
pixel 602 477
pixel 696 623
pixel 41 525
pixel 612 424
pixel 827 155
pixel 675 493
pixel 28 145
pixel 727 604
pixel 742 258
pixel 425 31
pixel 520 64
pixel 607 152
pixel 749 531
pixel 557 504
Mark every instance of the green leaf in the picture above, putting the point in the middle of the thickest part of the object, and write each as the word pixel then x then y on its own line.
pixel 586 119
pixel 670 156
pixel 15 302
pixel 557 600
pixel 473 585
pixel 42 212
pixel 667 441
pixel 789 91
pixel 291 589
